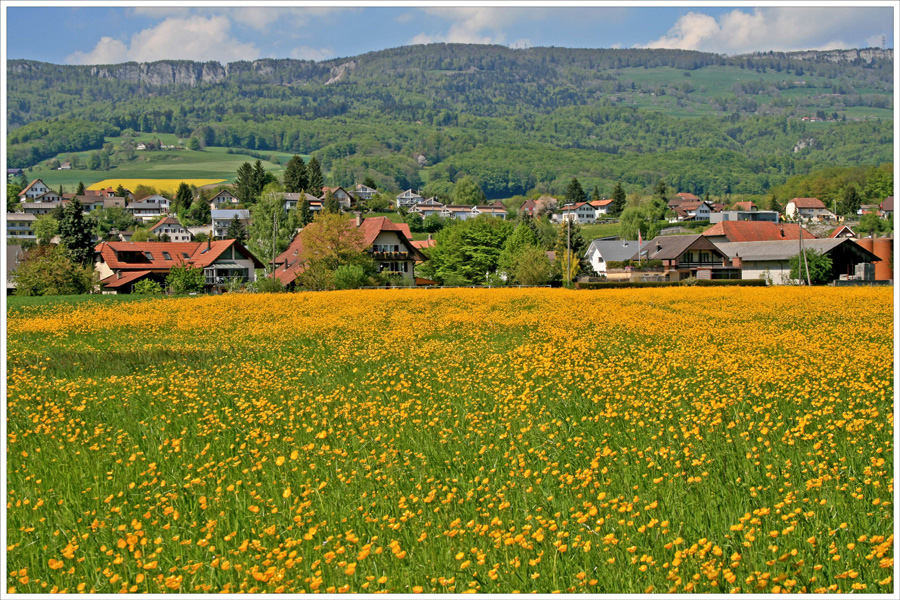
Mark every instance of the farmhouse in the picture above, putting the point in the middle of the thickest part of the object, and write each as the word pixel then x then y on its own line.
pixel 602 208
pixel 120 265
pixel 580 212
pixel 223 199
pixel 33 190
pixel 771 259
pixel 389 244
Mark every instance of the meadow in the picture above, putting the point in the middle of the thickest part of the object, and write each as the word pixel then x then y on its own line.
pixel 664 440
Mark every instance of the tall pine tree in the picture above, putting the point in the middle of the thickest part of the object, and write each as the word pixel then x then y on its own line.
pixel 316 181
pixel 618 200
pixel 595 195
pixel 80 190
pixel 574 192
pixel 244 184
pixel 295 177
pixel 236 230
pixel 75 233
pixel 183 198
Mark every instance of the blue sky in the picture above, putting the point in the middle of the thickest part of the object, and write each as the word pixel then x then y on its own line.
pixel 110 34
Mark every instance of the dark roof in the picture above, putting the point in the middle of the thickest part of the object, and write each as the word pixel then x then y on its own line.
pixel 784 250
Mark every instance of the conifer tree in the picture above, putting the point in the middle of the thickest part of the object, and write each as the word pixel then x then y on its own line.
pixel 618 197
pixel 295 176
pixel 75 233
pixel 574 192
pixel 316 181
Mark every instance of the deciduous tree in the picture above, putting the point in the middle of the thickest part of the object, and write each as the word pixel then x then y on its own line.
pixel 49 271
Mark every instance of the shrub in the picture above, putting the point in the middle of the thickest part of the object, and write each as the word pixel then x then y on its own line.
pixel 185 278
pixel 147 286
pixel 349 277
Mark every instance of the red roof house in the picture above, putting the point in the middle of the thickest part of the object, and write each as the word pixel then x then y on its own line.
pixel 755 231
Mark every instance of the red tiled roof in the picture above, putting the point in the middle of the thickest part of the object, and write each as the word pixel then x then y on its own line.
pixel 807 203
pixel 599 203
pixel 687 197
pixel 424 243
pixel 840 230
pixel 113 281
pixel 757 231
pixel 197 252
pixel 744 205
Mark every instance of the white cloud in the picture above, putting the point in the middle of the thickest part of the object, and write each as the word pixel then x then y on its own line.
pixel 779 29
pixel 191 38
pixel 311 53
pixel 477 25
pixel 261 18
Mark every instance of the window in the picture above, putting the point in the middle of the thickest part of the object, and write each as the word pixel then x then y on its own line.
pixel 166 256
pixel 148 255
pixel 185 254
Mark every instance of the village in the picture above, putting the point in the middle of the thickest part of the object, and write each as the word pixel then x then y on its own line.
pixel 741 244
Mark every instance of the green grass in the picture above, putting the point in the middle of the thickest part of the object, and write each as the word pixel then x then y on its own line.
pixel 597 230
pixel 211 163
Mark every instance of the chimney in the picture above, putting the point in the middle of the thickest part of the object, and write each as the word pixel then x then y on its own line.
pixel 359 219
pixel 118 274
pixel 208 244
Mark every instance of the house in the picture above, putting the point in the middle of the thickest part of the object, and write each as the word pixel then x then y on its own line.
pixel 108 192
pixel 172 228
pixel 14 257
pixel 744 215
pixel 223 199
pixel 64 166
pixel 150 208
pixel 581 212
pixel 807 209
pixel 491 210
pixel 388 243
pixel 746 206
pixel 39 208
pixel 685 256
pixel 770 260
pixel 340 194
pixel 843 232
pixel 13 173
pixel 886 208
pixel 363 192
pixel 92 203
pixel 602 251
pixel 426 209
pixel 50 196
pixel 120 265
pixel 601 208
pixel 692 211
pixel 409 198
pixel 458 212
pixel 755 231
pixel 865 209
pixel 221 220
pixel 33 190
pixel 686 197
pixel 293 199
pixel 20 226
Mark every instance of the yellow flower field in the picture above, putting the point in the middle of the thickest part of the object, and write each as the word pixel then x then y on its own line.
pixel 654 440
pixel 160 184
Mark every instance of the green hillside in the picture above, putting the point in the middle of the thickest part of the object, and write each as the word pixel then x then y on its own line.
pixel 515 120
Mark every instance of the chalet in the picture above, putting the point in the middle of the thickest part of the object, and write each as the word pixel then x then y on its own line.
pixel 771 259
pixel 426 209
pixel 172 228
pixel 340 194
pixel 409 198
pixel 363 192
pixel 389 244
pixel 685 256
pixel 221 220
pixel 20 226
pixel 120 265
pixel 33 190
pixel 581 212
pixel 755 231
pixel 491 210
pixel 223 199
pixel 50 196
pixel 807 209
pixel 601 252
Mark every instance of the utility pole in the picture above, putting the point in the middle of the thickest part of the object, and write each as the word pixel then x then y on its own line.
pixel 274 230
pixel 569 249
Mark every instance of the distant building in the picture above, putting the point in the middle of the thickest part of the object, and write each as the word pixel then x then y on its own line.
pixel 171 227
pixel 755 231
pixel 744 215
pixel 807 209
pixel 20 225
pixel 221 220
pixel 409 198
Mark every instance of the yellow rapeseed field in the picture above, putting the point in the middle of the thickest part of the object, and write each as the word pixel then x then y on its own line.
pixel 655 440
pixel 161 184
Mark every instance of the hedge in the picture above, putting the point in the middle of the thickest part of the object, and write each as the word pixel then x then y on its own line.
pixel 596 285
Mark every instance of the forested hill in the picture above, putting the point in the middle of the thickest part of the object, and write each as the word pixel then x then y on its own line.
pixel 379 111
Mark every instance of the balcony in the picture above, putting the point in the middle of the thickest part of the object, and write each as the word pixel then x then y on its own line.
pixel 390 255
pixel 716 264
